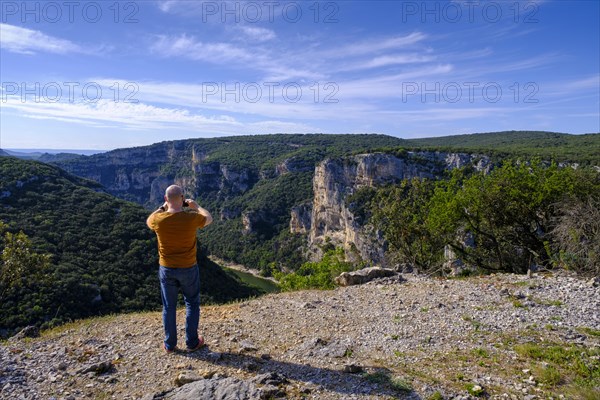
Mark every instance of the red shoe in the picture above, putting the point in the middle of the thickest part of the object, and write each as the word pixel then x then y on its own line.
pixel 169 351
pixel 198 346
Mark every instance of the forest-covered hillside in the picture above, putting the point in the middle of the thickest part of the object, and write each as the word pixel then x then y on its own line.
pixel 251 183
pixel 560 147
pixel 101 256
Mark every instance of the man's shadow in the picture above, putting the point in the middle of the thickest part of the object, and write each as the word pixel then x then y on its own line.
pixel 377 381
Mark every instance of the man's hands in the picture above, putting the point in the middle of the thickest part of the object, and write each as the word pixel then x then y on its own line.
pixel 192 204
pixel 160 209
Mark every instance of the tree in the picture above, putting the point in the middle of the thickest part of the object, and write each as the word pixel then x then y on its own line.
pixel 401 212
pixel 20 265
pixel 576 235
pixel 508 212
pixel 498 221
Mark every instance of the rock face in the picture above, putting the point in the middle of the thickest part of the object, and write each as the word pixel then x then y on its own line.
pixel 300 218
pixel 27 332
pixel 334 180
pixel 216 388
pixel 293 164
pixel 142 174
pixel 257 221
pixel 363 276
pixel 230 213
pixel 263 386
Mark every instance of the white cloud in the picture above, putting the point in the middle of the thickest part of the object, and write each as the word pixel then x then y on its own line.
pixel 277 62
pixel 166 6
pixel 376 45
pixel 195 8
pixel 388 60
pixel 257 34
pixel 356 99
pixel 390 86
pixel 188 47
pixel 140 116
pixel 585 115
pixel 28 41
pixel 592 82
pixel 258 58
pixel 566 91
pixel 447 114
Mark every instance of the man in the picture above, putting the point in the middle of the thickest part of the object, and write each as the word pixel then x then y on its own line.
pixel 176 232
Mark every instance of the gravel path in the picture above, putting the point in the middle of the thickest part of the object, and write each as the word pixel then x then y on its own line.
pixel 411 337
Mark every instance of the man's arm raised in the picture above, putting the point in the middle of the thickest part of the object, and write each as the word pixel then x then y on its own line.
pixel 162 208
pixel 194 206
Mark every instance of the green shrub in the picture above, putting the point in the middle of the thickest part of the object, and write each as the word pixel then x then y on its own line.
pixel 577 234
pixel 316 275
pixel 496 221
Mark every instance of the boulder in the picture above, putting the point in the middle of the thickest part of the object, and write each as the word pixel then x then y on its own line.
pixel 353 368
pixel 96 368
pixel 186 377
pixel 270 378
pixel 216 388
pixel 363 276
pixel 247 346
pixel 27 332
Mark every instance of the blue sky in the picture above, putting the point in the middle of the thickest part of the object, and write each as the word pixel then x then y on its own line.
pixel 106 74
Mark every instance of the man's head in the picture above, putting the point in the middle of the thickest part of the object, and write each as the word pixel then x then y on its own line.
pixel 174 196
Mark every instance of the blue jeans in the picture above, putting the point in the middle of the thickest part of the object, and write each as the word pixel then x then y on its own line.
pixel 188 280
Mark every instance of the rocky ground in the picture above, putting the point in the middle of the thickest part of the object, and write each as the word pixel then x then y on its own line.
pixel 499 336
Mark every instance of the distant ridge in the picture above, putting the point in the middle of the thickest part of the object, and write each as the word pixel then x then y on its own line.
pixel 49 154
pixel 584 148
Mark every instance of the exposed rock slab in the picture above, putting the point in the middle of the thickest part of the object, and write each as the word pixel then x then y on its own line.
pixel 216 388
pixel 363 276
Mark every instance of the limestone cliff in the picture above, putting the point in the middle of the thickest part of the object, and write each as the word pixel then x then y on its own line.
pixel 300 218
pixel 260 182
pixel 142 174
pixel 331 220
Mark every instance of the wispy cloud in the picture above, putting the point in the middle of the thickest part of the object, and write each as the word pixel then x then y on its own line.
pixel 447 114
pixel 259 58
pixel 388 60
pixel 592 82
pixel 313 61
pixel 28 41
pixel 142 116
pixel 193 8
pixel 166 6
pixel 257 34
pixel 189 47
pixel 587 87
pixel 376 45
